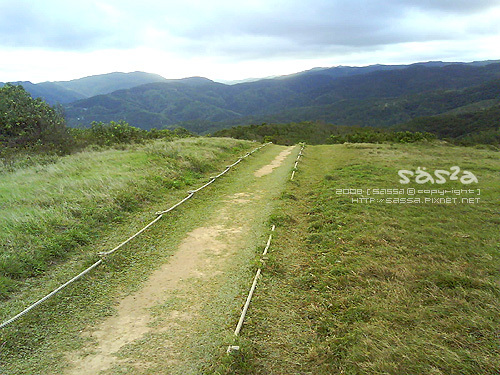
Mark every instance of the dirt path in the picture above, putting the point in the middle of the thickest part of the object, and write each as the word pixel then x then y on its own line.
pixel 278 160
pixel 176 321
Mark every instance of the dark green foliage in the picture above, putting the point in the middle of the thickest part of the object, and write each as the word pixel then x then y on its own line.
pixel 481 126
pixel 121 132
pixel 153 105
pixel 485 137
pixel 320 133
pixel 31 123
pixel 109 134
pixel 30 126
pixel 374 135
pixel 285 134
pixel 374 98
pixel 32 132
pixel 51 92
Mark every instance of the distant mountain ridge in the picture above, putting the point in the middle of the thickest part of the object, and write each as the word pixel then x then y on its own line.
pixel 349 96
pixel 62 92
pixel 107 83
pixel 374 95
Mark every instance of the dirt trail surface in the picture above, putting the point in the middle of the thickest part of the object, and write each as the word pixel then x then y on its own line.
pixel 266 169
pixel 182 317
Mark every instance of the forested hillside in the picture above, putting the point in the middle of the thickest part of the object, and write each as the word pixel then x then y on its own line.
pixel 377 98
pixel 481 126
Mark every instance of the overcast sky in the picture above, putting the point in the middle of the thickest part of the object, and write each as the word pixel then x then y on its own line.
pixel 48 40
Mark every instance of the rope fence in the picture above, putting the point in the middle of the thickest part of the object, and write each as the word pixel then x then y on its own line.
pixel 232 348
pixel 235 348
pixel 106 253
pixel 297 161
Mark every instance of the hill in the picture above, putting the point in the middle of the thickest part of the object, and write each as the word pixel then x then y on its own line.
pixel 468 116
pixel 480 126
pixel 386 111
pixel 382 97
pixel 153 105
pixel 51 92
pixel 376 95
pixel 63 92
pixel 107 83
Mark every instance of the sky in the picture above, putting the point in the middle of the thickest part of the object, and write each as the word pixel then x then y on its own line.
pixel 58 40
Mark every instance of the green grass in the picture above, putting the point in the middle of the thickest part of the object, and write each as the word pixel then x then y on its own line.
pixel 348 288
pixel 215 301
pixel 41 341
pixel 48 211
pixel 379 288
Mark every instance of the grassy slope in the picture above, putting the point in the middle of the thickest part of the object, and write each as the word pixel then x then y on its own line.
pixel 110 195
pixel 48 211
pixel 380 288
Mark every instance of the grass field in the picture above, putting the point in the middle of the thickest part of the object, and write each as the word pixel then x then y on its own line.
pixel 353 287
pixel 349 287
pixel 48 211
pixel 41 341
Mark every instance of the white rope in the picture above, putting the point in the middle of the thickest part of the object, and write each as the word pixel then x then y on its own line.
pixel 6 323
pixel 106 253
pixel 247 303
pixel 232 348
pixel 269 241
pixel 175 205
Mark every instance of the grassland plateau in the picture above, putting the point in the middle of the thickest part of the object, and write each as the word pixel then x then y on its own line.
pixel 361 278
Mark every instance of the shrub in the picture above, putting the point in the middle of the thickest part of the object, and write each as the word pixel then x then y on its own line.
pixel 31 123
pixel 115 133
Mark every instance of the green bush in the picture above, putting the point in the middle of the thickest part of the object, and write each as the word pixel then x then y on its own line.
pixel 320 133
pixel 115 133
pixel 31 123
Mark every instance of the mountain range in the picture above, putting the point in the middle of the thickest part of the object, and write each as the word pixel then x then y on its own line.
pixel 376 95
pixel 63 92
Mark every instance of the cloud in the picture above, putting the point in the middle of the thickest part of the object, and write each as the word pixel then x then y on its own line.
pixel 319 27
pixel 228 27
pixel 26 24
pixel 246 33
pixel 451 6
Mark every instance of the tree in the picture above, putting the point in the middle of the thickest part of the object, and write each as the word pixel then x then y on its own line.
pixel 27 122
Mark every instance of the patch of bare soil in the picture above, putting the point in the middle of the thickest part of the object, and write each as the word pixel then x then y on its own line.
pixel 278 160
pixel 194 259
